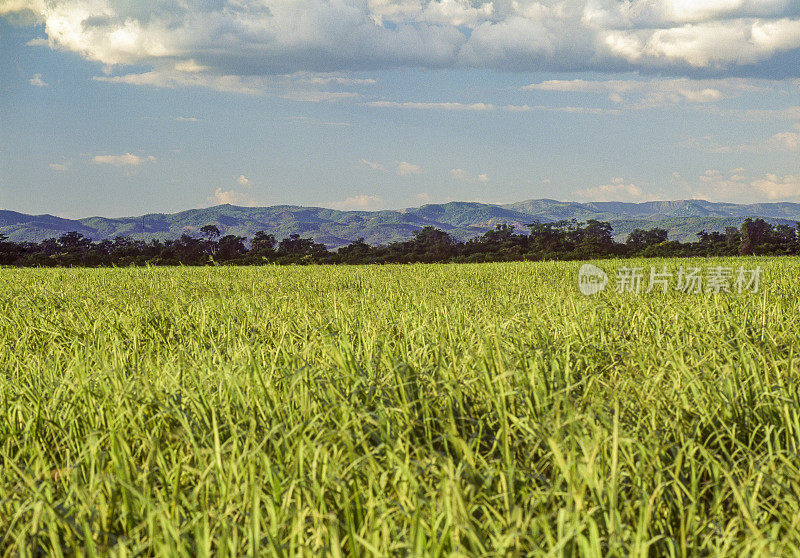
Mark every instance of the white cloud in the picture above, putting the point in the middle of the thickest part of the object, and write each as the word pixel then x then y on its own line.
pixel 298 86
pixel 663 13
pixel 393 10
pixel 361 202
pixel 339 80
pixel 221 197
pixel 243 39
pixel 719 44
pixel 244 181
pixel 61 167
pixel 785 141
pixel 37 81
pixel 126 160
pixel 776 187
pixel 190 67
pixel 320 96
pixel 432 106
pixel 14 6
pixel 655 92
pixel 782 141
pixel 486 107
pixel 405 168
pixel 737 186
pixel 422 198
pixel 185 119
pixel 616 190
pixel 326 80
pixel 788 113
pixel 461 174
pixel 372 165
pixel 169 79
pixel 456 12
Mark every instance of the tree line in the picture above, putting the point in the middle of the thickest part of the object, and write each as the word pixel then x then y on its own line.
pixel 560 240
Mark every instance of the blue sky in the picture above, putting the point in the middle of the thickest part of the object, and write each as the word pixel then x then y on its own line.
pixel 118 107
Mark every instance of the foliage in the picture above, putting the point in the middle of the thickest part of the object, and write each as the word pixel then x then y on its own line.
pixel 461 220
pixel 396 410
pixel 561 240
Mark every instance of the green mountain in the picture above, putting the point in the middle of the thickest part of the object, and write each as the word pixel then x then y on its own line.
pixel 464 220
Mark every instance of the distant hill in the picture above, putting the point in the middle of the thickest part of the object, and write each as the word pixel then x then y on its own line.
pixel 682 218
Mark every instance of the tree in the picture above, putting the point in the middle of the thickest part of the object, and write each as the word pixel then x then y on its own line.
pixel 187 250
pixel 551 237
pixel 755 233
pixel 230 247
pixel 74 242
pixel 785 235
pixel 432 244
pixel 210 232
pixel 500 235
pixel 301 249
pixel 9 251
pixel 640 239
pixel 263 244
pixel 355 252
pixel 732 237
pixel 598 233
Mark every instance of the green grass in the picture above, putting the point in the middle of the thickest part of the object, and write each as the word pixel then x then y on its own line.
pixel 421 410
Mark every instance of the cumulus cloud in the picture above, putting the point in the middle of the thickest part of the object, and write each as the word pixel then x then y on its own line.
pixel 785 141
pixel 361 202
pixel 243 181
pixel 422 198
pixel 126 160
pixel 461 174
pixel 405 168
pixel 456 12
pixel 221 197
pixel 736 185
pixel 616 190
pixel 228 45
pixel 372 165
pixel 663 13
pixel 776 187
pixel 37 81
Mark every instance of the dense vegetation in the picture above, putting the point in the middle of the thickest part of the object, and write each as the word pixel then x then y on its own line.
pixel 462 220
pixel 396 410
pixel 560 240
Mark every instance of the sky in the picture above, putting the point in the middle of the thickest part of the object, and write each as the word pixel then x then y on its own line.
pixel 123 107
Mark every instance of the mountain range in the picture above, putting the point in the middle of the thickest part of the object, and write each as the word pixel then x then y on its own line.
pixel 682 218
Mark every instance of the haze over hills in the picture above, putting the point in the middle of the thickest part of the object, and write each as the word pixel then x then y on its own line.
pixel 682 218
